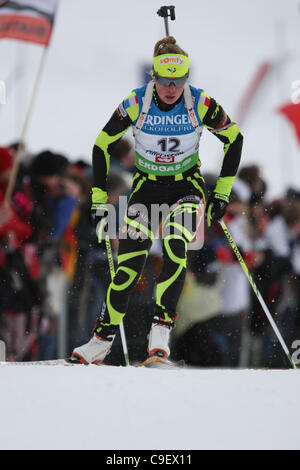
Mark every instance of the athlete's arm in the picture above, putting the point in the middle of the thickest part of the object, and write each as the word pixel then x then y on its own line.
pixel 219 123
pixel 104 146
pixel 123 117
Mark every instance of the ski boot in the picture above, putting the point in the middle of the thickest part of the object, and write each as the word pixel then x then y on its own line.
pixel 159 336
pixel 95 351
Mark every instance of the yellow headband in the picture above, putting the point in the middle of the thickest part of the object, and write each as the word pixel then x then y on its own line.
pixel 171 65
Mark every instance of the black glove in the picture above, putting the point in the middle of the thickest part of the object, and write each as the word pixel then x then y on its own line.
pixel 216 207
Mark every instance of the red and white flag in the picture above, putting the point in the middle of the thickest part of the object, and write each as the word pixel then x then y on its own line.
pixel 27 20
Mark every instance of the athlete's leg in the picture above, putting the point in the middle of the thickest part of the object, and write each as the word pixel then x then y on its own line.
pixel 179 229
pixel 136 238
pixel 131 260
pixel 135 241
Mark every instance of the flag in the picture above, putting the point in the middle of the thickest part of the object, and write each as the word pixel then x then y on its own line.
pixel 27 20
pixel 252 91
pixel 292 112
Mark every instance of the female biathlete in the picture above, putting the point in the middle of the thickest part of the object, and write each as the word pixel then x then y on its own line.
pixel 167 116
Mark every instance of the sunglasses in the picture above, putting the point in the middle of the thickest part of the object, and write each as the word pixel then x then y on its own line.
pixel 166 81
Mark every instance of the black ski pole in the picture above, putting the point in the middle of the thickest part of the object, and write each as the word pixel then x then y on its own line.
pixel 167 12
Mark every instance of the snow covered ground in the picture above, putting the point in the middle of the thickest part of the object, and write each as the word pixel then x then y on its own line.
pixel 132 409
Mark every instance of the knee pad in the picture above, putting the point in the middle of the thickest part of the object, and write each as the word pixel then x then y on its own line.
pixel 182 221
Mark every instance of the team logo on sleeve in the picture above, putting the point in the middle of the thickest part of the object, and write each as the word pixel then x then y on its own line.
pixel 122 111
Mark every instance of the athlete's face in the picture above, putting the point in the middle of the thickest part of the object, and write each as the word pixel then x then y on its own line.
pixel 168 94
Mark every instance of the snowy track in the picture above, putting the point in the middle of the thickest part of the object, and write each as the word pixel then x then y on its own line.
pixel 130 408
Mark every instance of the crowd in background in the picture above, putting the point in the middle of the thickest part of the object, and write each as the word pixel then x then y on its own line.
pixel 54 273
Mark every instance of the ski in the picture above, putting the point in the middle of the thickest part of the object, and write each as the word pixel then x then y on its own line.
pixel 50 362
pixel 155 362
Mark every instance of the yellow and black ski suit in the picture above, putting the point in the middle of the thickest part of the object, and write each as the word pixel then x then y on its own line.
pixel 167 172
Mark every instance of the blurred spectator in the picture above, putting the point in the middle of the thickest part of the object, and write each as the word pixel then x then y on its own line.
pixel 19 292
pixel 54 209
pixel 78 242
pixel 251 176
pixel 123 160
pixel 82 168
pixel 124 155
pixel 279 270
pixel 12 227
pixel 48 172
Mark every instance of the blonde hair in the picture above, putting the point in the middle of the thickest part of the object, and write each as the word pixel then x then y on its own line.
pixel 168 45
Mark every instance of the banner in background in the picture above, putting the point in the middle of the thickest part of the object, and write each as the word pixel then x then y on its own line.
pixel 27 20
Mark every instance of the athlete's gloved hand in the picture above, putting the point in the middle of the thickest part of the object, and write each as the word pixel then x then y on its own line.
pixel 99 211
pixel 100 220
pixel 216 207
